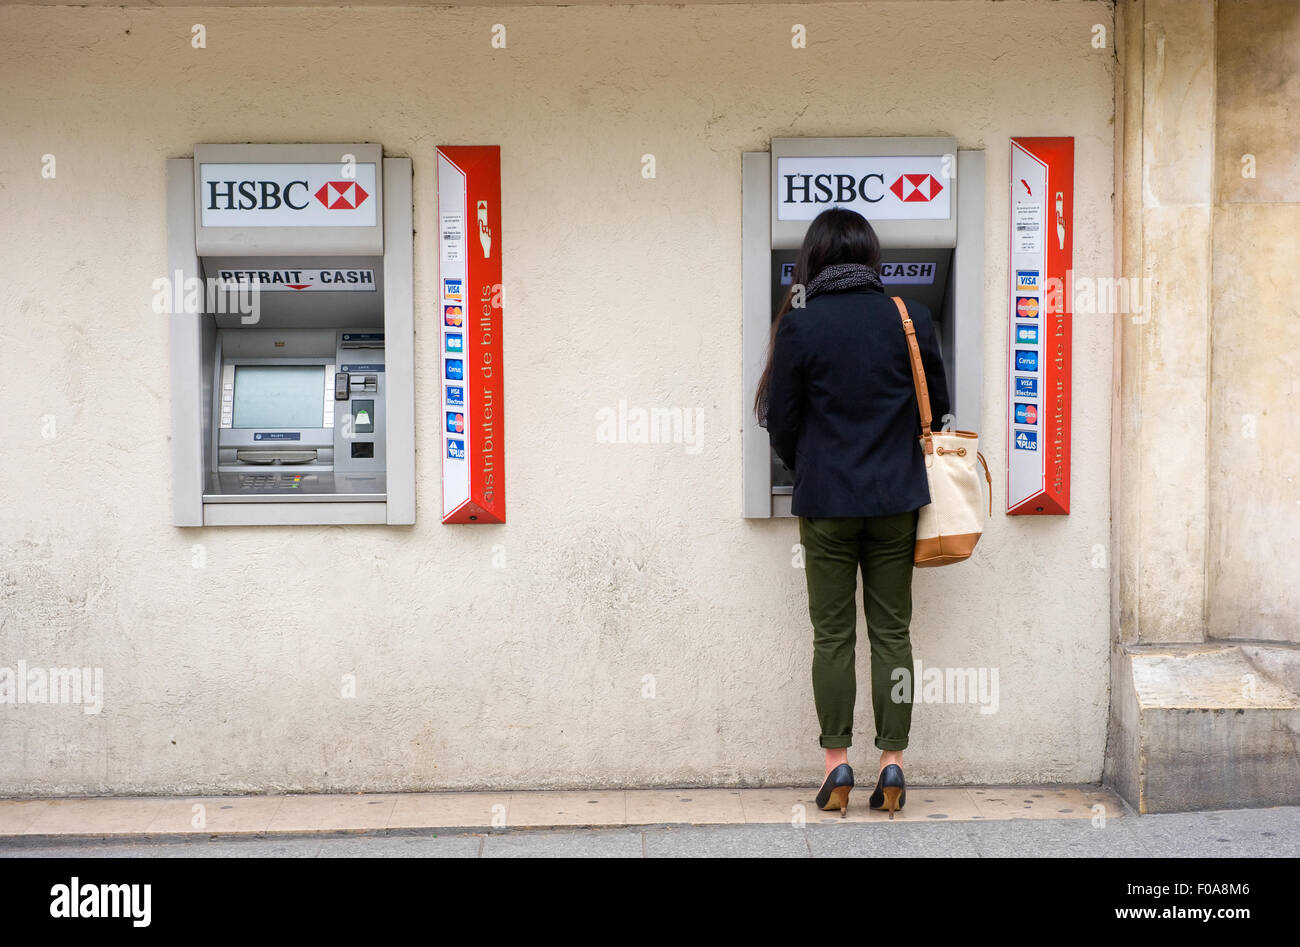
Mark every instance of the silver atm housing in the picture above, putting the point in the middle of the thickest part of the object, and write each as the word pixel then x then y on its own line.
pixel 211 486
pixel 766 241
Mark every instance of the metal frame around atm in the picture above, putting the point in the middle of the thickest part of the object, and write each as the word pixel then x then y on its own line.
pixel 964 319
pixel 193 342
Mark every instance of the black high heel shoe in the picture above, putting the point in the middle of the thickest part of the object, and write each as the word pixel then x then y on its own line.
pixel 834 793
pixel 891 791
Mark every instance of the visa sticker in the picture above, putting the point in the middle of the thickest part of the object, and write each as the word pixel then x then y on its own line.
pixel 453 289
pixel 1027 281
pixel 1026 440
pixel 454 396
pixel 455 449
pixel 1026 360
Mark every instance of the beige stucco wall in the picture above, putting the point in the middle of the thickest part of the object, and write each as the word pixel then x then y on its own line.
pixel 620 560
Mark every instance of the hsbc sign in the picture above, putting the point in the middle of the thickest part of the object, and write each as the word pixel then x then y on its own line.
pixel 287 195
pixel 890 187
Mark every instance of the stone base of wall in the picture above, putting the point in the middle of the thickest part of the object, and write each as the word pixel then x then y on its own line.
pixel 1205 726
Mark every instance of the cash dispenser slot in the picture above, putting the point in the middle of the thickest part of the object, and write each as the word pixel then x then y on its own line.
pixel 275 456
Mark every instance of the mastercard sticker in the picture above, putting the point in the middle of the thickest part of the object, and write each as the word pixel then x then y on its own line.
pixel 1027 307
pixel 453 316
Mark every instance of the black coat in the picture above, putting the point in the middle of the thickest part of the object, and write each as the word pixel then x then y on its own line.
pixel 842 410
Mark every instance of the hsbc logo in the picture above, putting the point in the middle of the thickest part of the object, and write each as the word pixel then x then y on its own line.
pixel 880 187
pixel 288 195
pixel 272 195
pixel 845 189
pixel 342 195
pixel 916 187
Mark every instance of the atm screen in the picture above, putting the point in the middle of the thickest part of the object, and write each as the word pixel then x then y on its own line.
pixel 278 396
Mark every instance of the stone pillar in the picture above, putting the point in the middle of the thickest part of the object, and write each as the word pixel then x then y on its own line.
pixel 1254 452
pixel 1160 509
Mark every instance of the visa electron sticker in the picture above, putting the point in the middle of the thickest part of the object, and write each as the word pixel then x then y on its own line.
pixel 455 396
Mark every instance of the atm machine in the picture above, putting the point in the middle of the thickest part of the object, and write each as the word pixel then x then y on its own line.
pixel 292 342
pixel 925 200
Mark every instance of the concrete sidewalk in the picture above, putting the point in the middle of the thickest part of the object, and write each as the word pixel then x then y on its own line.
pixel 236 816
pixel 1241 833
pixel 976 821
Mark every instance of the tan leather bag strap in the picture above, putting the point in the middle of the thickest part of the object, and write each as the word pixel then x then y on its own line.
pixel 987 478
pixel 918 376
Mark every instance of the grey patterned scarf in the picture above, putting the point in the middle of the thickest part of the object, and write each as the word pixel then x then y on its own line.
pixel 842 276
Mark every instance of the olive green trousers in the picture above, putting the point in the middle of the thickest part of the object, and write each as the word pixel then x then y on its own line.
pixel 835 550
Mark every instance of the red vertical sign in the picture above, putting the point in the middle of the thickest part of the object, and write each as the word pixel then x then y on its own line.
pixel 1039 325
pixel 472 374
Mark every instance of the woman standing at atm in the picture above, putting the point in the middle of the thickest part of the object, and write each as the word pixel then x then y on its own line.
pixel 838 401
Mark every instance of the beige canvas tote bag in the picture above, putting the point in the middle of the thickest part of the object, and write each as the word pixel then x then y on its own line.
pixel 948 528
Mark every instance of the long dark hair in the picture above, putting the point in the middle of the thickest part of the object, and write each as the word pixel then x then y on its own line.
pixel 836 235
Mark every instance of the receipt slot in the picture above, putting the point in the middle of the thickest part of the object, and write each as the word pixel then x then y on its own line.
pixel 925 200
pixel 292 363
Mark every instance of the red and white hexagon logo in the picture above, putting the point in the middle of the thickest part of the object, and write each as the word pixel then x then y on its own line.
pixel 341 195
pixel 916 188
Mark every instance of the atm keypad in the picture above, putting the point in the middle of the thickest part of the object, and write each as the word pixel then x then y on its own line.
pixel 271 483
